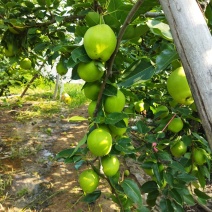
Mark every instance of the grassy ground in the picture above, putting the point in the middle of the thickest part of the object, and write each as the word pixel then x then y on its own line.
pixel 42 91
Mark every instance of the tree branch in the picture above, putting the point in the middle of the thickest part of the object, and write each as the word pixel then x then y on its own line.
pixel 122 31
pixel 53 20
pixel 169 122
pixel 153 14
pixel 112 59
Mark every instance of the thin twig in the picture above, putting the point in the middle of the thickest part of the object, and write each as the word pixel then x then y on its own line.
pixel 205 207
pixel 113 190
pixel 122 31
pixel 111 60
pixel 169 122
pixel 53 20
pixel 28 85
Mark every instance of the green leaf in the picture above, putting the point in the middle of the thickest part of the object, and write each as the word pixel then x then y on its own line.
pixel 114 118
pixel 110 90
pixel 75 75
pixel 29 4
pixel 165 58
pixel 149 187
pixel 69 160
pixel 176 196
pixel 132 190
pixel 206 171
pixel 134 31
pixel 121 124
pixel 177 207
pixel 157 174
pixel 202 201
pixel 40 47
pixel 80 143
pixel 201 176
pixel 125 201
pixel 177 166
pixel 117 10
pixel 165 205
pixel 187 140
pixel 151 138
pixel 186 177
pixel 142 127
pixel 202 140
pixel 77 158
pixel 169 178
pixel 32 31
pixel 142 208
pixel 79 55
pixel 92 19
pixel 11 4
pixel 125 145
pixel 189 199
pixel 80 30
pixel 165 156
pixel 140 70
pixel 92 197
pixel 208 14
pixel 153 195
pixel 41 2
pixel 59 19
pixel 147 164
pixel 112 21
pixel 114 181
pixel 78 118
pixel 201 194
pixel 65 153
pixel 159 28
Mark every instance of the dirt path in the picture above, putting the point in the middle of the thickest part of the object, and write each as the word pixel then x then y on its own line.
pixel 36 182
pixel 31 179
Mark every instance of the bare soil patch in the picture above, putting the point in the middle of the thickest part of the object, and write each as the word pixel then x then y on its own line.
pixel 30 177
pixel 35 181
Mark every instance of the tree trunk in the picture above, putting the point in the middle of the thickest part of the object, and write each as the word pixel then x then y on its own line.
pixel 56 87
pixel 194 44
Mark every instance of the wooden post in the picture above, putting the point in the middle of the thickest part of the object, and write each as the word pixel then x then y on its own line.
pixel 194 44
pixel 56 86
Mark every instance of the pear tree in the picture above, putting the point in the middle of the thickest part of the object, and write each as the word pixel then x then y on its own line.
pixel 145 64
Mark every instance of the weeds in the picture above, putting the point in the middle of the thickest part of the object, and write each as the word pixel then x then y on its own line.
pixel 24 151
pixel 5 181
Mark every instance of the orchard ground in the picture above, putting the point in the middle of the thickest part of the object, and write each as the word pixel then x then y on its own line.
pixel 30 177
pixel 32 132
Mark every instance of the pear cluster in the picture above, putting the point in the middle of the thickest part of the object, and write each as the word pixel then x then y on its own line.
pixel 100 43
pixel 11 50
